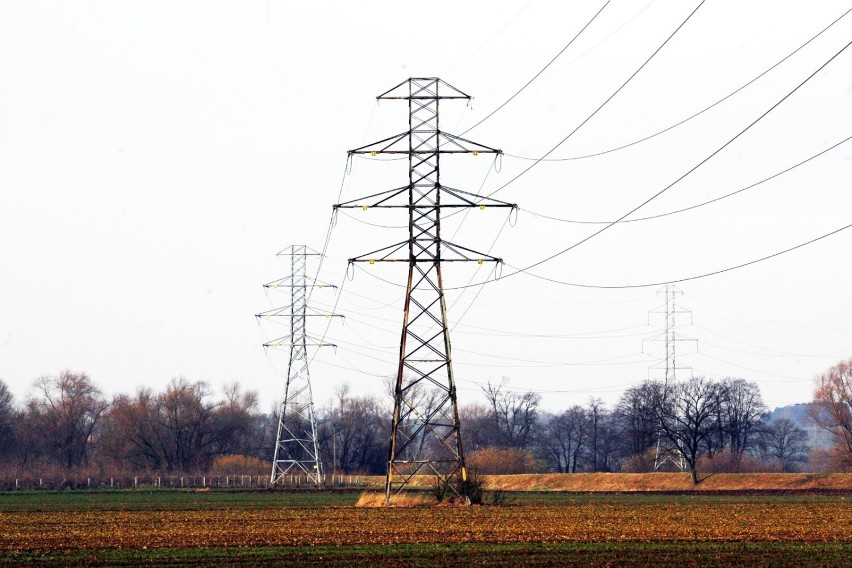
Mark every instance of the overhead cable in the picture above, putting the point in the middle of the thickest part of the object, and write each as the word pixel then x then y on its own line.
pixel 542 70
pixel 700 112
pixel 526 269
pixel 696 206
pixel 602 105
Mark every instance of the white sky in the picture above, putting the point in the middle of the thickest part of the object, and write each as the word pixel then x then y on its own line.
pixel 154 156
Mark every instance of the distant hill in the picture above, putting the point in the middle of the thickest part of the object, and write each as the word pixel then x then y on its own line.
pixel 798 413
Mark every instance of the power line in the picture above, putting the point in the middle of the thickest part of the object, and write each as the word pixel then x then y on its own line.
pixel 774 352
pixel 526 269
pixel 542 70
pixel 775 323
pixel 678 280
pixel 608 99
pixel 490 39
pixel 700 112
pixel 696 206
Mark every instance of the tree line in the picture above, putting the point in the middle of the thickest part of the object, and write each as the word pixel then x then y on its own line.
pixel 67 424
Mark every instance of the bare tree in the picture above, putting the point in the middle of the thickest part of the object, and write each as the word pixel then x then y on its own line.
pixel 566 438
pixel 174 430
pixel 361 433
pixel 478 430
pixel 515 414
pixel 832 405
pixel 742 410
pixel 637 418
pixel 8 417
pixel 68 408
pixel 686 412
pixel 236 423
pixel 599 435
pixel 130 432
pixel 553 446
pixel 786 442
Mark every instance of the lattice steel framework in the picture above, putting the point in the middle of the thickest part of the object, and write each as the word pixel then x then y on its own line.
pixel 666 450
pixel 425 432
pixel 296 445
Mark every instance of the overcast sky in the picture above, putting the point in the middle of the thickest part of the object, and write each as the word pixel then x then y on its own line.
pixel 154 157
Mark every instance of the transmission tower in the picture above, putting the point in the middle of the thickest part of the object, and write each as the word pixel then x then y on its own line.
pixel 425 431
pixel 296 446
pixel 666 451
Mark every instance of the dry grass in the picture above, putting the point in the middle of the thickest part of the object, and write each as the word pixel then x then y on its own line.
pixel 375 499
pixel 650 482
pixel 641 482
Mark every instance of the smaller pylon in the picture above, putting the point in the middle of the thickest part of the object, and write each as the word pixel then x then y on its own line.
pixel 666 451
pixel 296 444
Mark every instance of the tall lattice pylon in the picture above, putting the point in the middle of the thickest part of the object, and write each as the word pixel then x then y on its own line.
pixel 425 430
pixel 296 445
pixel 666 451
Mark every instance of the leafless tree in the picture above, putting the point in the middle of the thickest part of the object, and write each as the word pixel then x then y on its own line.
pixel 477 427
pixel 742 410
pixel 236 423
pixel 7 422
pixel 515 413
pixel 832 405
pixel 786 442
pixel 68 408
pixel 360 433
pixel 686 414
pixel 637 418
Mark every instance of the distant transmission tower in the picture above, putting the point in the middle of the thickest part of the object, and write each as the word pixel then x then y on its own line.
pixel 296 446
pixel 425 432
pixel 666 451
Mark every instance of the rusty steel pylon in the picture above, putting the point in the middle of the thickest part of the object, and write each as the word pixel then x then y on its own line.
pixel 296 446
pixel 425 431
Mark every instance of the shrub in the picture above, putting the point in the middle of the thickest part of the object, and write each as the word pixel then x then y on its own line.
pixel 239 465
pixel 503 461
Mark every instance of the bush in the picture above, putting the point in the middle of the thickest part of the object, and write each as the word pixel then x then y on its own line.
pixel 640 463
pixel 239 465
pixel 503 461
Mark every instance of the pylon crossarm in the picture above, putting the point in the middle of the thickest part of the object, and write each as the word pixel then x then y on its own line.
pixel 298 250
pixel 382 254
pixel 384 146
pixel 286 312
pixel 287 341
pixel 413 142
pixel 423 88
pixel 425 200
pixel 286 282
pixel 476 200
pixel 463 145
pixel 383 197
pixel 475 256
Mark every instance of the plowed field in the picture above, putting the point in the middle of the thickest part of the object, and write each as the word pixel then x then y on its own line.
pixel 772 526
